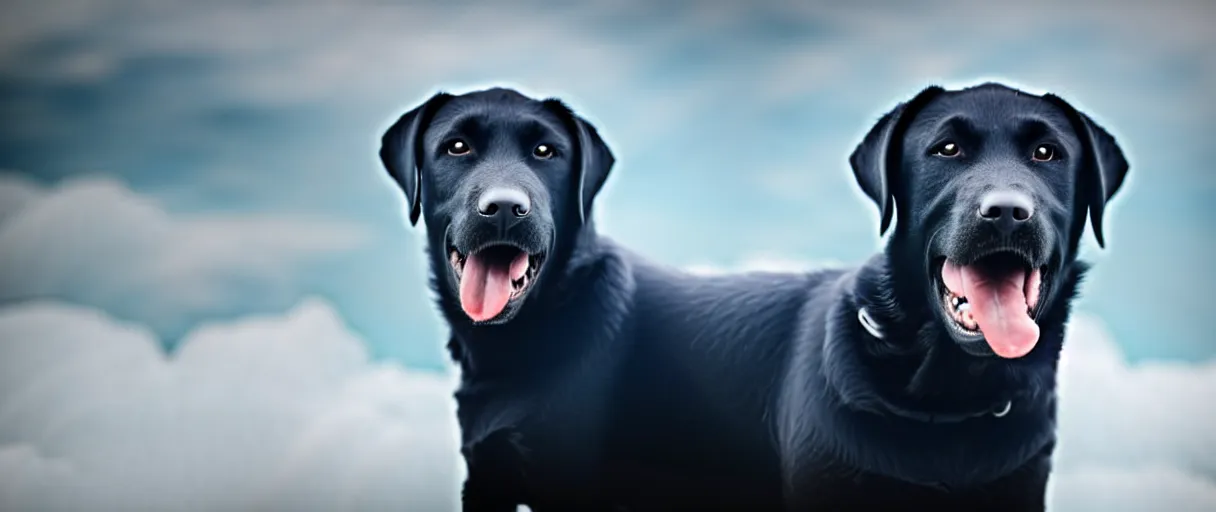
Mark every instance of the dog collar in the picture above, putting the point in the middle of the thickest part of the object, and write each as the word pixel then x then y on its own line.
pixel 868 323
pixel 1000 411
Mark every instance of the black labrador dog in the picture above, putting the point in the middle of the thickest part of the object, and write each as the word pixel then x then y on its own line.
pixel 536 304
pixel 926 378
pixel 559 407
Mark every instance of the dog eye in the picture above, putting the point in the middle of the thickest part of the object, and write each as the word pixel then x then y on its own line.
pixel 947 149
pixel 543 151
pixel 1044 153
pixel 457 147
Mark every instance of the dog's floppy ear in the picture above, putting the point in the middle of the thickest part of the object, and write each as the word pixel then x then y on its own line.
pixel 1103 165
pixel 400 150
pixel 595 159
pixel 876 159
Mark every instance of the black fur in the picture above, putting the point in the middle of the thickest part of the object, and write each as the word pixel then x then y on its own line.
pixel 560 405
pixel 533 399
pixel 906 420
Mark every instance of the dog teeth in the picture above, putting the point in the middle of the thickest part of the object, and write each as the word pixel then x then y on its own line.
pixel 518 287
pixel 457 261
pixel 961 313
pixel 959 304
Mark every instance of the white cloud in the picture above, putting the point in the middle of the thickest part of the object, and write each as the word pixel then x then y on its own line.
pixel 414 47
pixel 1117 489
pixel 287 413
pixel 907 47
pixel 95 242
pixel 27 23
pixel 276 413
pixel 395 48
pixel 16 194
pixel 1153 413
pixel 1132 437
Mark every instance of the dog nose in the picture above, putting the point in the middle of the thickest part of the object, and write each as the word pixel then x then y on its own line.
pixel 1006 209
pixel 504 202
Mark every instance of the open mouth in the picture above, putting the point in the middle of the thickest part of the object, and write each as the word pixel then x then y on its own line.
pixel 994 297
pixel 492 276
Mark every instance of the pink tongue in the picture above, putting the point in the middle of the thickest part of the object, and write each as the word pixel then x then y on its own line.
pixel 998 304
pixel 485 286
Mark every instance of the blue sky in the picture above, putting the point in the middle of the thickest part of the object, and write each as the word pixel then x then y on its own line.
pixel 731 124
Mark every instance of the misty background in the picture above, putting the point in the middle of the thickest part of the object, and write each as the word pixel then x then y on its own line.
pixel 210 297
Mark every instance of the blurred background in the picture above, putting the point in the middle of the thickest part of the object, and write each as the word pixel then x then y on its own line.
pixel 210 298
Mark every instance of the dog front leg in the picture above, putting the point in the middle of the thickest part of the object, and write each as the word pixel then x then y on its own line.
pixel 495 474
pixel 482 494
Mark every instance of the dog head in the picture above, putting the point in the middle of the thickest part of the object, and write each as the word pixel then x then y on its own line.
pixel 503 183
pixel 992 186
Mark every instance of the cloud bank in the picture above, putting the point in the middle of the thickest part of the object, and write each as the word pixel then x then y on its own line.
pixel 269 413
pixel 93 241
pixel 1115 415
pixel 287 412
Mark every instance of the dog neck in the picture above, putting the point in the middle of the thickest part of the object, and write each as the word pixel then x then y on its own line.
pixel 913 382
pixel 917 371
pixel 586 280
